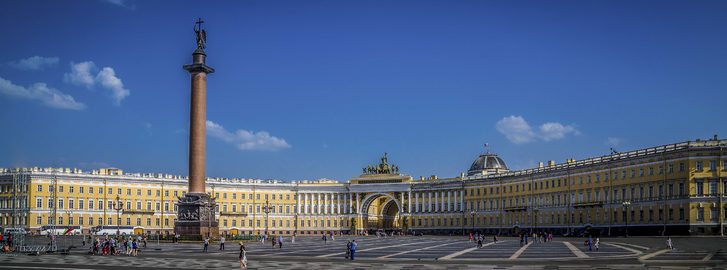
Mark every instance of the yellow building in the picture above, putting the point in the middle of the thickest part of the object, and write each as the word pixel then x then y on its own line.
pixel 672 189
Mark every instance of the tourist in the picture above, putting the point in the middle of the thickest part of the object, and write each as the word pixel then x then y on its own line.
pixel 348 249
pixel 325 239
pixel 206 243
pixel 353 248
pixel 292 239
pixel 590 243
pixel 526 238
pixel 470 236
pixel 134 248
pixel 84 240
pixel 280 241
pixel 479 242
pixel 222 242
pixel 669 243
pixel 494 238
pixel 273 241
pixel 522 239
pixel 598 242
pixel 243 256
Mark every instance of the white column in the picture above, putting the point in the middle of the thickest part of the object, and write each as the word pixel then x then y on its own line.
pixel 401 202
pixel 416 201
pixel 455 201
pixel 449 201
pixel 297 201
pixel 305 203
pixel 436 201
pixel 338 198
pixel 318 204
pixel 441 202
pixel 358 206
pixel 408 200
pixel 429 202
pixel 461 200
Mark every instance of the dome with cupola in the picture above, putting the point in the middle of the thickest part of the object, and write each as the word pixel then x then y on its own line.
pixel 488 163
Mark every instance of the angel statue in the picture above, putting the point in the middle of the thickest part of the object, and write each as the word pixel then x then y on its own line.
pixel 201 34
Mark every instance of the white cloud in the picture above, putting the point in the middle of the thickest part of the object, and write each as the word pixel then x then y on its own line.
pixel 555 131
pixel 35 63
pixel 82 74
pixel 518 131
pixel 41 92
pixel 107 78
pixel 246 140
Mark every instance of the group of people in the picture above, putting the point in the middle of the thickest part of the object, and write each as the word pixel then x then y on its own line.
pixel 7 241
pixel 351 247
pixel 114 246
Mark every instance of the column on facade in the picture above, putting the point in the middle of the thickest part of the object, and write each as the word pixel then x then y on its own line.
pixel 304 196
pixel 442 202
pixel 358 206
pixel 401 202
pixel 461 200
pixel 455 201
pixel 297 201
pixel 338 204
pixel 416 201
pixel 449 201
pixel 436 201
pixel 408 200
pixel 318 203
pixel 429 201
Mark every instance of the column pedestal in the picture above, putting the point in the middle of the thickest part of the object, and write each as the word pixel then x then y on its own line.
pixel 196 217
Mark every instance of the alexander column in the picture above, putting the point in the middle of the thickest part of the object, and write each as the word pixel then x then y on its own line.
pixel 195 214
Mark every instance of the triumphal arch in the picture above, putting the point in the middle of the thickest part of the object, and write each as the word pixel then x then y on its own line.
pixel 381 195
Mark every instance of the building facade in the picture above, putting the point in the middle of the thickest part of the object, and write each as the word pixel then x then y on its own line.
pixel 674 189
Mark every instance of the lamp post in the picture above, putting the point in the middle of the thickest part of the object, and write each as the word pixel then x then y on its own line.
pixel 65 236
pixel 626 205
pixel 266 210
pixel 118 207
pixel 535 211
pixel 473 220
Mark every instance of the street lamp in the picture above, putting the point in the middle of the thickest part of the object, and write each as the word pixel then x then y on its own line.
pixel 65 235
pixel 118 207
pixel 473 220
pixel 535 211
pixel 266 210
pixel 626 205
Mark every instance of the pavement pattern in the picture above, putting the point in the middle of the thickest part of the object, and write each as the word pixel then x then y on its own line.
pixel 427 252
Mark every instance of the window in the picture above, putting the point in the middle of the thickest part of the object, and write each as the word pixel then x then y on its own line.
pixel 80 190
pixel 90 190
pixel 712 165
pixel 60 188
pixel 80 204
pixel 651 170
pixel 38 203
pixel 670 168
pixel 681 213
pixel 71 204
pixel 681 166
pixel 681 189
pixel 80 220
pixel 90 204
pixel 40 188
pixel 699 166
pixel 713 188
pixel 700 214
pixel 70 189
pixel 714 215
pixel 700 188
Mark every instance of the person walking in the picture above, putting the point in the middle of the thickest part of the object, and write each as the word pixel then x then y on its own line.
pixel 325 239
pixel 598 243
pixel 273 241
pixel 353 248
pixel 280 241
pixel 669 243
pixel 206 243
pixel 590 243
pixel 243 256
pixel 84 240
pixel 348 249
pixel 222 242
pixel 292 239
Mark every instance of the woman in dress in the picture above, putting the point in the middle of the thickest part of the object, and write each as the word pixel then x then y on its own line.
pixel 243 256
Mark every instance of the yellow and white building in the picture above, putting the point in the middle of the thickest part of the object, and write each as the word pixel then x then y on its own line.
pixel 672 189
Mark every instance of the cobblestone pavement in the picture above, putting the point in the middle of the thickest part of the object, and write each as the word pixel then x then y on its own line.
pixel 404 253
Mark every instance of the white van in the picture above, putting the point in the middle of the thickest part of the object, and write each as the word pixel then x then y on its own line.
pixel 15 231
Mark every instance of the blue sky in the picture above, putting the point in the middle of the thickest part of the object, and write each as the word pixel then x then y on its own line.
pixel 313 89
